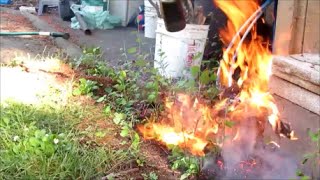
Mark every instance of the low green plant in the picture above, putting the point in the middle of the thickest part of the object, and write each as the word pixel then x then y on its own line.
pixel 15 63
pixel 198 81
pixel 85 87
pixel 150 176
pixel 90 56
pixel 127 131
pixel 315 138
pixel 189 165
pixel 313 157
pixel 100 69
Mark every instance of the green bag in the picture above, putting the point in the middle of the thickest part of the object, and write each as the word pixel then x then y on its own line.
pixel 96 20
pixel 93 2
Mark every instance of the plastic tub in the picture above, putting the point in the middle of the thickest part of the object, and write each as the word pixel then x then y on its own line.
pixel 176 52
pixel 150 22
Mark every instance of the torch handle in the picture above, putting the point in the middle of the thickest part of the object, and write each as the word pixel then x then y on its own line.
pixel 53 34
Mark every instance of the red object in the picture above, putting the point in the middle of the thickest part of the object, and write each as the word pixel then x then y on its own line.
pixel 140 21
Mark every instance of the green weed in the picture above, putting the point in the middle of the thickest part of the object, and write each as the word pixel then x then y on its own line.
pixel 91 55
pixel 85 87
pixel 313 157
pixel 189 165
pixel 150 176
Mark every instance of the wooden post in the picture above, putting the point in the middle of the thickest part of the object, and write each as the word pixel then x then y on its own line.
pixel 299 18
pixel 284 26
pixel 297 27
pixel 311 41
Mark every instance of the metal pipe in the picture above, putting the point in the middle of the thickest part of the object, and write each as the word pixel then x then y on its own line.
pixel 255 16
pixel 83 24
pixel 52 34
pixel 245 35
pixel 231 70
pixel 247 22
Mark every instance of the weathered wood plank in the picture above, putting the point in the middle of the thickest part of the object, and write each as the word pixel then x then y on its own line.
pixel 284 25
pixel 311 43
pixel 299 18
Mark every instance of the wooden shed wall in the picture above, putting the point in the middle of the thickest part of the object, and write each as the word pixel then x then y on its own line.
pixel 297 27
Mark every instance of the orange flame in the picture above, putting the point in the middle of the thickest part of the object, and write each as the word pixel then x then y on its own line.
pixel 192 125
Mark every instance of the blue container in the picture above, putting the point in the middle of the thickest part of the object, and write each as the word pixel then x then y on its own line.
pixel 5 2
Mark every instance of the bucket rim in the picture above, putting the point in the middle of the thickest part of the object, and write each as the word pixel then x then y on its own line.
pixel 188 26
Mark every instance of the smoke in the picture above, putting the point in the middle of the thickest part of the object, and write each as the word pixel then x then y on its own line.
pixel 248 157
pixel 233 152
pixel 276 165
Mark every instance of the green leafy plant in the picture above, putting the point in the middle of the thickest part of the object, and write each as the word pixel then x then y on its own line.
pixel 132 50
pixel 302 176
pixel 127 131
pixel 91 55
pixel 189 165
pixel 150 176
pixel 314 157
pixel 100 69
pixel 15 63
pixel 85 87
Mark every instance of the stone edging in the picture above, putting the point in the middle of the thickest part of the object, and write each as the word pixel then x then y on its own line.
pixel 297 80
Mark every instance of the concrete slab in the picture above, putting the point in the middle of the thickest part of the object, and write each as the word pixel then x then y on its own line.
pixel 113 42
pixel 297 79
pixel 299 68
pixel 301 120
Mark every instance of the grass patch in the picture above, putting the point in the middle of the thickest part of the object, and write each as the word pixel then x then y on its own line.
pixel 40 142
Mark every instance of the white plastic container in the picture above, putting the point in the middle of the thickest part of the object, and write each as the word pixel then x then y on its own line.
pixel 150 19
pixel 31 10
pixel 176 52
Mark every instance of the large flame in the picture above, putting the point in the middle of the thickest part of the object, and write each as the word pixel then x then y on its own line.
pixel 192 125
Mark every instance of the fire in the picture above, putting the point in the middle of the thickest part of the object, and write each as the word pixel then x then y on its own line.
pixel 170 136
pixel 193 125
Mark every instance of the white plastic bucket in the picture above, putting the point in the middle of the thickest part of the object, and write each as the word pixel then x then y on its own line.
pixel 176 52
pixel 150 19
pixel 31 10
